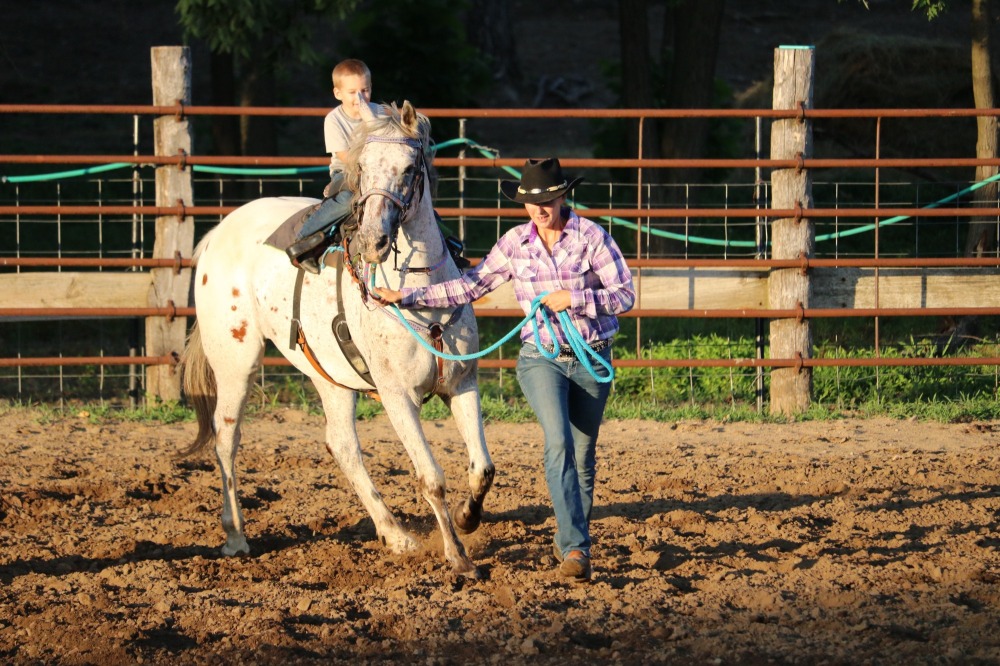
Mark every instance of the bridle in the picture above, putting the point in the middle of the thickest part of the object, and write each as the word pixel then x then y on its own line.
pixel 404 202
pixel 416 184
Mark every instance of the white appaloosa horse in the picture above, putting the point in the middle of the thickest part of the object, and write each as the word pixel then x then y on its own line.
pixel 247 292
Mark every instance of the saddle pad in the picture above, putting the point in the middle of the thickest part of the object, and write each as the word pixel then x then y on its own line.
pixel 288 231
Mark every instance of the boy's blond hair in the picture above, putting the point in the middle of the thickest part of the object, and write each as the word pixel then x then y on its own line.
pixel 350 67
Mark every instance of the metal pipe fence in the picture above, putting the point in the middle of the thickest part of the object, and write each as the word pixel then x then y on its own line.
pixel 104 222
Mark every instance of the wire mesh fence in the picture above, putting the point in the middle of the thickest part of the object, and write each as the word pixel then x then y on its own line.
pixel 131 236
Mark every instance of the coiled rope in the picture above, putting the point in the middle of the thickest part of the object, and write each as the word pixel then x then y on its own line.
pixel 580 348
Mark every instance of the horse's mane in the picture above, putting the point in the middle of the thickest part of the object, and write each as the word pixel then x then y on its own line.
pixel 406 121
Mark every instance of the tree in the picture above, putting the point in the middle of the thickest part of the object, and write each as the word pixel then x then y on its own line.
pixel 982 234
pixel 683 78
pixel 419 50
pixel 489 29
pixel 250 41
pixel 637 73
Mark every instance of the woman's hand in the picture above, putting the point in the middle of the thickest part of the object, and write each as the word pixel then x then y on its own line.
pixel 387 296
pixel 557 301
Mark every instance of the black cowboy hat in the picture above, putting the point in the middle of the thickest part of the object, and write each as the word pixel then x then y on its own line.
pixel 541 180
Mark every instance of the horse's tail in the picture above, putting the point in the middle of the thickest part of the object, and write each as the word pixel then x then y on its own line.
pixel 200 388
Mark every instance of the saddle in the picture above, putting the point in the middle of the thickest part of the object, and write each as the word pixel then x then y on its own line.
pixel 321 222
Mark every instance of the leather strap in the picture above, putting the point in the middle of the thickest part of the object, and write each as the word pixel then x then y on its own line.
pixel 437 333
pixel 314 362
pixel 298 339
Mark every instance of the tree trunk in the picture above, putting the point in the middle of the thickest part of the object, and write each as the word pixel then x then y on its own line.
pixel 982 236
pixel 258 133
pixel 637 74
pixel 695 26
pixel 225 129
pixel 489 29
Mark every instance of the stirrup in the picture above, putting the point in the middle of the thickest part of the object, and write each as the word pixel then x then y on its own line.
pixel 303 252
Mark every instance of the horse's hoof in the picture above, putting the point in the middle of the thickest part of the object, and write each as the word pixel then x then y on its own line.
pixel 469 571
pixel 467 516
pixel 400 543
pixel 230 551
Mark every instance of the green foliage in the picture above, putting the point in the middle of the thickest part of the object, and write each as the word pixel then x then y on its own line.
pixel 367 409
pixel 933 8
pixel 241 26
pixel 622 407
pixel 493 409
pixel 434 409
pixel 704 385
pixel 852 387
pixel 169 412
pixel 417 50
pixel 166 412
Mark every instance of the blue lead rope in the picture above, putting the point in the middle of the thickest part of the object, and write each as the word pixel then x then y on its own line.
pixel 576 341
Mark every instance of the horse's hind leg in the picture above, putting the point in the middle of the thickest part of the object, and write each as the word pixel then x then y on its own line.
pixel 234 366
pixel 405 416
pixel 342 442
pixel 228 420
pixel 468 417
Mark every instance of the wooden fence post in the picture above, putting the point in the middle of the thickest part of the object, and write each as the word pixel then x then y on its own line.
pixel 791 238
pixel 174 234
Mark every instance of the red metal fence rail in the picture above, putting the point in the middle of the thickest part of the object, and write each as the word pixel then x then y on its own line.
pixel 643 115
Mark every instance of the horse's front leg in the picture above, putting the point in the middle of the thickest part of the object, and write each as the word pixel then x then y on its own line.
pixel 465 406
pixel 342 442
pixel 404 412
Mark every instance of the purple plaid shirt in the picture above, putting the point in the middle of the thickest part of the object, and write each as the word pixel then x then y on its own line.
pixel 585 260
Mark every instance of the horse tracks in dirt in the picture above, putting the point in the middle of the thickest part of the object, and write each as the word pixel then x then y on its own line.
pixel 840 542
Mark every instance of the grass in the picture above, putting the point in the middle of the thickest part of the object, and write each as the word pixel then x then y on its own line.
pixel 944 393
pixel 962 410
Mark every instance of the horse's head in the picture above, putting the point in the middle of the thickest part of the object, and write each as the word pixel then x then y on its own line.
pixel 386 169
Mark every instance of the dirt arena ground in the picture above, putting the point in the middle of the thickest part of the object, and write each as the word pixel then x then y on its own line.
pixel 844 542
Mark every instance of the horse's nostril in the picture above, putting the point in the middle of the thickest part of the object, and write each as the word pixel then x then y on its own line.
pixel 382 242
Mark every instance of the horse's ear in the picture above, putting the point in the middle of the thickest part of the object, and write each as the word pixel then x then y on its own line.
pixel 408 116
pixel 364 109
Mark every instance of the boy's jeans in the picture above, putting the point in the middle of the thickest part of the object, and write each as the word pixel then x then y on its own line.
pixel 569 404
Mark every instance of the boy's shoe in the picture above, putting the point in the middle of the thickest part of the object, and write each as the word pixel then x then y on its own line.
pixel 557 552
pixel 577 566
pixel 305 253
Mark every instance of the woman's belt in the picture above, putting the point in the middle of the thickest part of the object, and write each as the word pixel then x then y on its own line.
pixel 566 352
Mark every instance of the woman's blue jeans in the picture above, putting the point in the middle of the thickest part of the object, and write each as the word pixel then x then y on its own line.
pixel 569 404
